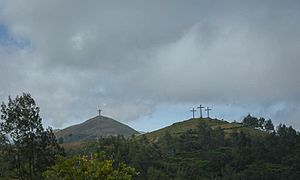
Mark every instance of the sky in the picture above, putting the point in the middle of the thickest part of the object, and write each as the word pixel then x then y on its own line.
pixel 147 63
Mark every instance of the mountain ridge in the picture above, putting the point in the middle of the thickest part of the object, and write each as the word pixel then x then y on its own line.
pixel 91 129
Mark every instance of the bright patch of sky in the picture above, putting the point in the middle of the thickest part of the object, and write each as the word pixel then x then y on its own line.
pixel 9 41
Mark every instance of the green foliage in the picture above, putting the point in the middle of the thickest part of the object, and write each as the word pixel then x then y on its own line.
pixel 260 123
pixel 207 152
pixel 6 158
pixel 261 170
pixel 88 168
pixel 269 126
pixel 153 174
pixel 251 121
pixel 196 149
pixel 31 148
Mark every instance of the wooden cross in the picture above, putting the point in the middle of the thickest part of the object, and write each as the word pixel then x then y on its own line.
pixel 193 110
pixel 200 107
pixel 99 112
pixel 207 109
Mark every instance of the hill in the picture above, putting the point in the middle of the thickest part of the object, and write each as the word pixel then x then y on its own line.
pixel 179 128
pixel 207 149
pixel 99 126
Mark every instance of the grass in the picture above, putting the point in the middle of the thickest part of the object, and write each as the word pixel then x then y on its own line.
pixel 178 128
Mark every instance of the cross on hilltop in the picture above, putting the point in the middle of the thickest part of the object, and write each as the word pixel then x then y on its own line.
pixel 200 111
pixel 193 110
pixel 208 109
pixel 99 112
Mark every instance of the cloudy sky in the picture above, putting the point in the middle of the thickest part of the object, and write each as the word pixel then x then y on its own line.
pixel 146 63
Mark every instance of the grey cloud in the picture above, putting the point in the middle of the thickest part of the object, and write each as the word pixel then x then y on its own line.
pixel 136 55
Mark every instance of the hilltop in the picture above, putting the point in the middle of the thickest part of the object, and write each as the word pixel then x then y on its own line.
pixel 99 126
pixel 179 128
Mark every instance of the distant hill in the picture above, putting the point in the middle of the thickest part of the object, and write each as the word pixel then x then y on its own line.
pixel 178 128
pixel 99 126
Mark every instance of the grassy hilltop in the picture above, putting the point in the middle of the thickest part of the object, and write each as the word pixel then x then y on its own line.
pixel 90 130
pixel 179 128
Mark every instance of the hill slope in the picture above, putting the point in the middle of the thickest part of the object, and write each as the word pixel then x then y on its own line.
pixel 180 127
pixel 93 128
pixel 209 152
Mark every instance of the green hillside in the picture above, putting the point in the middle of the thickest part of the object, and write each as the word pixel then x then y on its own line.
pixel 207 149
pixel 93 128
pixel 179 128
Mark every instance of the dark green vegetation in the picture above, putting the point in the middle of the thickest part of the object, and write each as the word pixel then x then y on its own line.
pixel 26 148
pixel 207 149
pixel 191 149
pixel 93 128
pixel 28 151
pixel 89 167
pixel 180 128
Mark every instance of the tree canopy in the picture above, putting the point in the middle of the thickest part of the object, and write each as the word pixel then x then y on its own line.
pixel 29 147
pixel 207 153
pixel 88 167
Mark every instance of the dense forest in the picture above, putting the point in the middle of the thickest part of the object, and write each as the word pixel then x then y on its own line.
pixel 206 153
pixel 28 151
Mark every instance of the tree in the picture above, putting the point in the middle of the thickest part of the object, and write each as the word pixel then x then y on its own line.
pixel 269 126
pixel 251 121
pixel 261 123
pixel 167 144
pixel 88 168
pixel 34 148
pixel 5 157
